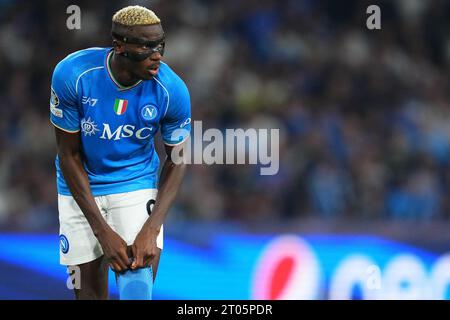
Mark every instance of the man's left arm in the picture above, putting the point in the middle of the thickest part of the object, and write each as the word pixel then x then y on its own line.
pixel 144 247
pixel 175 130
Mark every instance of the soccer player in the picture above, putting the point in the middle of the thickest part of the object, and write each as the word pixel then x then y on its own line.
pixel 107 105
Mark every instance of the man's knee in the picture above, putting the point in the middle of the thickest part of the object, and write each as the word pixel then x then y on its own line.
pixel 93 281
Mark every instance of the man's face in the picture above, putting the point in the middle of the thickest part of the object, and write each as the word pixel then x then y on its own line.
pixel 153 34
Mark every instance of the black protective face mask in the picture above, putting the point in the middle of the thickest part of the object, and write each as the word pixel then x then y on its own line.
pixel 154 46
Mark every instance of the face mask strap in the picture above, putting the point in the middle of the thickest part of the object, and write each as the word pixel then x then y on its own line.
pixel 155 46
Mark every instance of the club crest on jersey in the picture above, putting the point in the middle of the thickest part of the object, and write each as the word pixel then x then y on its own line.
pixel 88 127
pixel 120 106
pixel 149 112
pixel 64 243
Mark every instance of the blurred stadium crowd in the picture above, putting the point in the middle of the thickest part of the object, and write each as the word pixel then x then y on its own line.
pixel 364 116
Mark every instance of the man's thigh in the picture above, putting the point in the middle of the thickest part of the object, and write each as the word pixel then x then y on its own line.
pixel 127 213
pixel 78 244
pixel 93 283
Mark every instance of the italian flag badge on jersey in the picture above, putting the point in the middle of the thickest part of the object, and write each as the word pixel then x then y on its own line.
pixel 120 106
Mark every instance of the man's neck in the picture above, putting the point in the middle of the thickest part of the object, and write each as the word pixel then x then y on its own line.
pixel 120 74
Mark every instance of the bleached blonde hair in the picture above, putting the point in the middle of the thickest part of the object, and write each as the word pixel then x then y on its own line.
pixel 135 16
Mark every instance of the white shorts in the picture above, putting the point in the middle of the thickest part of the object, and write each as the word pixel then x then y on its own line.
pixel 125 213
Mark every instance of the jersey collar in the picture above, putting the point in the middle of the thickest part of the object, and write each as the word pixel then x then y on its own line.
pixel 108 68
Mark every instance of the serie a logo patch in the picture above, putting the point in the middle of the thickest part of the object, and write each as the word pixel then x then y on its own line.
pixel 54 102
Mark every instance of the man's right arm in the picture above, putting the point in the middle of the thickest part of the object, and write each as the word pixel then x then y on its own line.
pixel 71 165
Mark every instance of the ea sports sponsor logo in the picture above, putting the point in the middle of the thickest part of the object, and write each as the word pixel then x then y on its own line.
pixel 64 243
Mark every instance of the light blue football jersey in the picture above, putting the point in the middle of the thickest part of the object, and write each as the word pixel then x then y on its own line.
pixel 117 123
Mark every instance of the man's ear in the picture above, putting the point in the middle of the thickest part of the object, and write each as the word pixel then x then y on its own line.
pixel 119 48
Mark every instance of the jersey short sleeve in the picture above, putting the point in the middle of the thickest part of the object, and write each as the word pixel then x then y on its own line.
pixel 64 112
pixel 176 123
